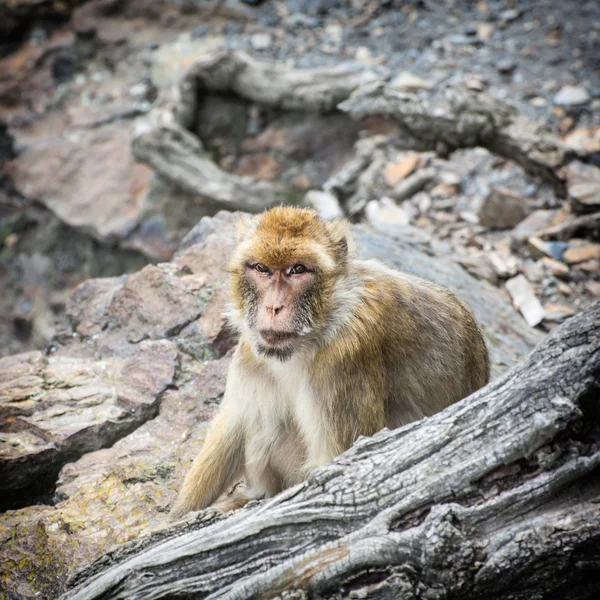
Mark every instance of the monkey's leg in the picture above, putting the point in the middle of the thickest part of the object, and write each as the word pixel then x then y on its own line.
pixel 217 466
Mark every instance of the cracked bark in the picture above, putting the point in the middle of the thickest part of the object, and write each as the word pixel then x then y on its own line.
pixel 496 497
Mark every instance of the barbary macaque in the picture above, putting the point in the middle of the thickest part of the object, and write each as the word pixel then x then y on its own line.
pixel 331 348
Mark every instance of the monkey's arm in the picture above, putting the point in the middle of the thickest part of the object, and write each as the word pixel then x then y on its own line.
pixel 217 466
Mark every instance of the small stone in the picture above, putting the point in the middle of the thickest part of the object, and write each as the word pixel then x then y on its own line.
pixel 510 15
pixel 503 264
pixel 593 287
pixel 506 66
pixel 386 212
pixel 397 171
pixel 444 190
pixel 583 139
pixel 485 31
pixel 503 209
pixel 537 247
pixel 536 221
pixel 590 266
pixel 533 271
pixel 583 185
pixel 476 264
pixel 563 288
pixel 538 102
pixel 585 196
pixel 261 41
pixel 325 203
pixel 554 267
pixel 475 84
pixel 582 254
pixel 557 312
pixel 572 95
pixel 409 81
pixel 525 300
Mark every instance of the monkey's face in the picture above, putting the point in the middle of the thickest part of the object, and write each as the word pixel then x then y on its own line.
pixel 281 305
pixel 283 272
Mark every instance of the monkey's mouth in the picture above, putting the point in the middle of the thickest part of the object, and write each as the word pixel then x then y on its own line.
pixel 277 338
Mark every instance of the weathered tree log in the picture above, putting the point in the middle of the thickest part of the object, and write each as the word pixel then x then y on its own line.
pixel 451 119
pixel 496 497
pixel 164 140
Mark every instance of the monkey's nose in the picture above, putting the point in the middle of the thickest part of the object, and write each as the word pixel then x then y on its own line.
pixel 275 310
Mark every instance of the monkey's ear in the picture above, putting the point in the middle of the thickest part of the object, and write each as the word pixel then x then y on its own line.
pixel 341 238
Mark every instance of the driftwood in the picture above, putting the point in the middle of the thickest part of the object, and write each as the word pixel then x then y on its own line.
pixel 451 119
pixel 496 497
pixel 445 120
pixel 164 140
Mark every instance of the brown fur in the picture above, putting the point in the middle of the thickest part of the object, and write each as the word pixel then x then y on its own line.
pixel 368 347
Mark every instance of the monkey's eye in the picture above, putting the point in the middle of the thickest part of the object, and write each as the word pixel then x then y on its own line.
pixel 297 270
pixel 261 268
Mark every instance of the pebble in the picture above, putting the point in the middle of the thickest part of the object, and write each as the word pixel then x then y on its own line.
pixel 572 95
pixel 557 312
pixel 503 209
pixel 409 81
pixel 261 41
pixel 506 66
pixel 582 254
pixel 554 267
pixel 525 300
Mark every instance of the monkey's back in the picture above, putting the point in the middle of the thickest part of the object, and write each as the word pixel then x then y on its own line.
pixel 419 343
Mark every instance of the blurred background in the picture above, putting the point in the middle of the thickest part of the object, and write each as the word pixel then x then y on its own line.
pixel 79 81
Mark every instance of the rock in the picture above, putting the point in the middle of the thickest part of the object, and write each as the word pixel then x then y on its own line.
pixel 590 266
pixel 583 139
pixel 485 31
pixel 408 81
pixel 537 247
pixel 475 83
pixel 408 187
pixel 536 221
pixel 557 312
pixel 477 264
pixel 324 202
pixel 506 66
pixel 503 263
pixel 538 102
pixel 386 212
pixel 90 180
pixel 62 407
pixel 503 209
pixel 397 171
pixel 583 185
pixel 593 287
pixel 525 300
pixel 509 15
pixel 580 254
pixel 572 95
pixel 554 267
pixel 261 41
